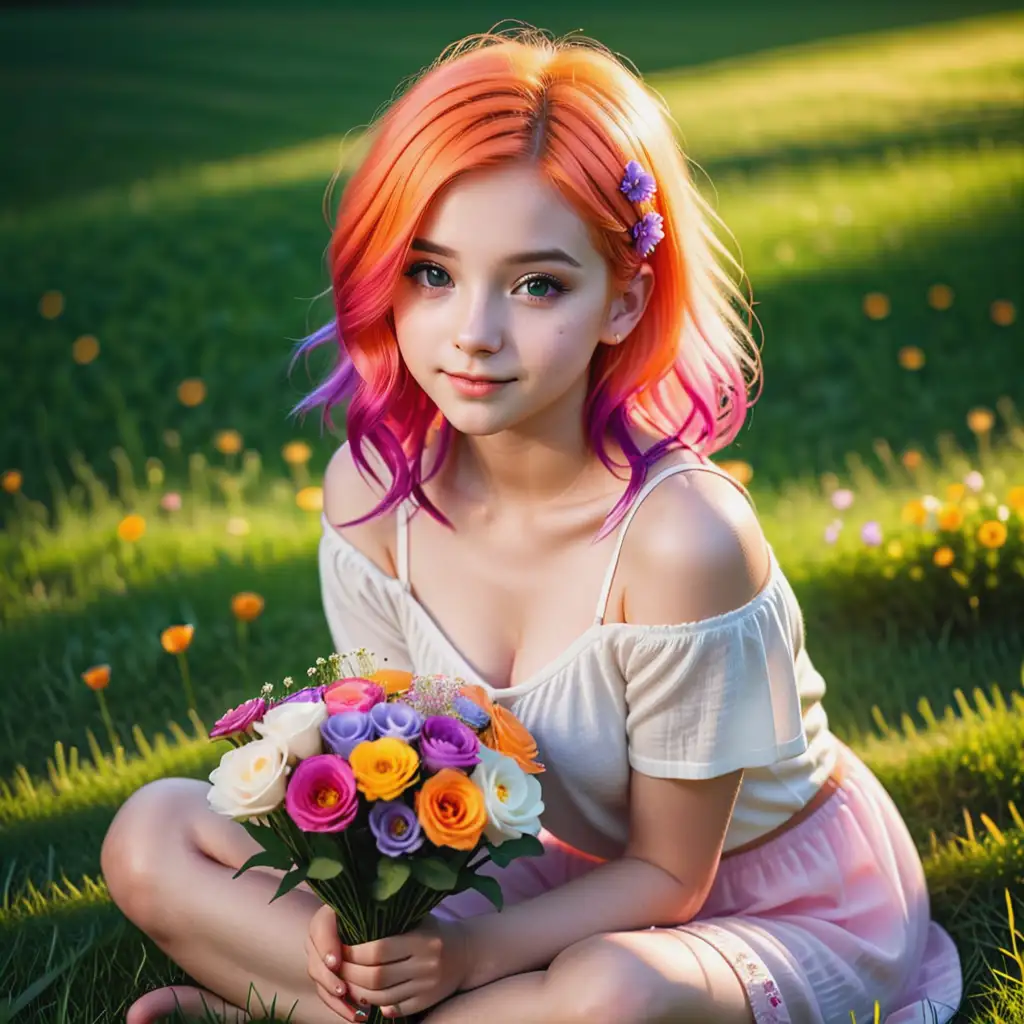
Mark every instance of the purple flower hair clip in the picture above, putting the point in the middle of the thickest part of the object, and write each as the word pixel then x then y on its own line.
pixel 638 187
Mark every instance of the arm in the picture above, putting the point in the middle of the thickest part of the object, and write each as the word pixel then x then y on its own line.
pixel 677 825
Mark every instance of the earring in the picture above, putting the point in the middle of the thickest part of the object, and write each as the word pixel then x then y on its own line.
pixel 618 338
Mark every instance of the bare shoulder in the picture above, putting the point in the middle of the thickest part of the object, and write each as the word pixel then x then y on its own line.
pixel 348 495
pixel 696 549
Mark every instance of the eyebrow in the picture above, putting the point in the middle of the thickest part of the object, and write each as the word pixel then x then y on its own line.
pixel 536 256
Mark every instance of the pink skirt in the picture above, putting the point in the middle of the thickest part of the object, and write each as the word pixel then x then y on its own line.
pixel 819 922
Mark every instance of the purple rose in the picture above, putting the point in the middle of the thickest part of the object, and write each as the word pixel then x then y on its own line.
pixel 342 733
pixel 447 743
pixel 239 719
pixel 397 719
pixel 395 828
pixel 471 713
pixel 310 694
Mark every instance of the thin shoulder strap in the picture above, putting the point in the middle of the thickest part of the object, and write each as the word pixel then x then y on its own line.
pixel 644 491
pixel 402 546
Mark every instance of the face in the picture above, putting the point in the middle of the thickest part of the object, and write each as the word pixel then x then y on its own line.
pixel 502 281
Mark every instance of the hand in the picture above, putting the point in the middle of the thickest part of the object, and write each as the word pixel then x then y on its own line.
pixel 403 974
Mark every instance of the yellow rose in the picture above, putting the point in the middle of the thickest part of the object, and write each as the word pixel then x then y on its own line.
pixel 384 768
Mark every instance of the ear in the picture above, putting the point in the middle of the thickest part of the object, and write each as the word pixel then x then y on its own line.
pixel 627 307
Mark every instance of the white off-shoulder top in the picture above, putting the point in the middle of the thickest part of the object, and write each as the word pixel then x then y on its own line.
pixel 691 700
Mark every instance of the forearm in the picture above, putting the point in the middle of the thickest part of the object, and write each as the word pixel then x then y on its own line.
pixel 620 895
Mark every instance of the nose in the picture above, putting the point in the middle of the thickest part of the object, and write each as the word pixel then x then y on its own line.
pixel 481 329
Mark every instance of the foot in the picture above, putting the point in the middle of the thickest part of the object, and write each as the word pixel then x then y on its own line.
pixel 192 1002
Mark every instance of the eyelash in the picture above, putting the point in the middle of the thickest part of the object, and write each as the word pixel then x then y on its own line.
pixel 560 289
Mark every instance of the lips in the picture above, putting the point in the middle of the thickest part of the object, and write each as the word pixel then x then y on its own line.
pixel 481 380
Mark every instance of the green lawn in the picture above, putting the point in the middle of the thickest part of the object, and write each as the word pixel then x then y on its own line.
pixel 166 177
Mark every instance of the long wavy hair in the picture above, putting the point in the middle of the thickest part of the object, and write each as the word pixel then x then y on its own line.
pixel 571 109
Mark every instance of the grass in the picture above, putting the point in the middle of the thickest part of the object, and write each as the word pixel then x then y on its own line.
pixel 169 187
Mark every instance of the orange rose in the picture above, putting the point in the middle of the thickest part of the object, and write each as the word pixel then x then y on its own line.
pixel 506 734
pixel 394 680
pixel 451 810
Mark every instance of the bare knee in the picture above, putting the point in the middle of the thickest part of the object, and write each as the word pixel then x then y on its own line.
pixel 150 830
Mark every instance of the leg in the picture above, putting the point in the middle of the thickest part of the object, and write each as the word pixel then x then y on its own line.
pixel 168 861
pixel 644 977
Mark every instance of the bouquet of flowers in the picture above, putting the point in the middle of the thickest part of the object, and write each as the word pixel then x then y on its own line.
pixel 384 791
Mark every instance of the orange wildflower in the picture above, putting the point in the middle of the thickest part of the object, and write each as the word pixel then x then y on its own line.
pixel 296 453
pixel 97 677
pixel 943 556
pixel 914 512
pixel 940 296
pixel 51 305
pixel 310 499
pixel 911 357
pixel 980 420
pixel 176 639
pixel 876 306
pixel 228 442
pixel 1002 312
pixel 192 392
pixel 12 481
pixel 85 349
pixel 247 606
pixel 738 470
pixel 131 528
pixel 992 534
pixel 950 518
pixel 912 458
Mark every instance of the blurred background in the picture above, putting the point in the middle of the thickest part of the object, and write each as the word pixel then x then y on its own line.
pixel 163 220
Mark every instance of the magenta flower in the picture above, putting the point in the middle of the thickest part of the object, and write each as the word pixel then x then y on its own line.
pixel 321 794
pixel 239 719
pixel 842 499
pixel 447 743
pixel 871 534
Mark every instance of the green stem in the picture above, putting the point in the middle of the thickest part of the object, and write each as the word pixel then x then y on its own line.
pixel 183 665
pixel 241 628
pixel 105 713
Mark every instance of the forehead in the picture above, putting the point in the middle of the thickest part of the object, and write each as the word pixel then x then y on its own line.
pixel 505 209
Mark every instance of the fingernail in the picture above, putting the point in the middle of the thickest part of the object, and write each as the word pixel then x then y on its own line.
pixel 331 960
pixel 339 989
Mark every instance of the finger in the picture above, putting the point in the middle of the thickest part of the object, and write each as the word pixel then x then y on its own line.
pixel 323 932
pixel 321 973
pixel 344 1006
pixel 380 951
pixel 380 977
pixel 389 997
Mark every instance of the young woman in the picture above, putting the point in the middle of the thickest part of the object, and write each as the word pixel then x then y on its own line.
pixel 555 533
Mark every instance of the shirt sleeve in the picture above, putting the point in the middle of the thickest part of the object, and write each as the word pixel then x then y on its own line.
pixel 704 699
pixel 361 603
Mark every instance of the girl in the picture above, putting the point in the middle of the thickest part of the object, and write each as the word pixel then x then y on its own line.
pixel 528 300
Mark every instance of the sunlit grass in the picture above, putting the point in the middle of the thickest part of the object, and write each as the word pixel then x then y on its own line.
pixel 874 187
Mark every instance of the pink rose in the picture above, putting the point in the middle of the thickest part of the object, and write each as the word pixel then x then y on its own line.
pixel 352 694
pixel 239 719
pixel 321 794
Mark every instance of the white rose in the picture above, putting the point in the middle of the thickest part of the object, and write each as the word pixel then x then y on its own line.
pixel 250 780
pixel 511 796
pixel 295 727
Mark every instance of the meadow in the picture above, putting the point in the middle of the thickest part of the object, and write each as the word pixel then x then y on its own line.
pixel 162 229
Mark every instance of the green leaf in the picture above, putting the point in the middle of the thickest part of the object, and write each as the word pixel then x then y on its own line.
pixel 292 879
pixel 266 859
pixel 488 887
pixel 435 874
pixel 267 838
pixel 324 867
pixel 323 845
pixel 524 846
pixel 392 874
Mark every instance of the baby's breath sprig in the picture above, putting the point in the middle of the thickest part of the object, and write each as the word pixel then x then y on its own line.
pixel 359 662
